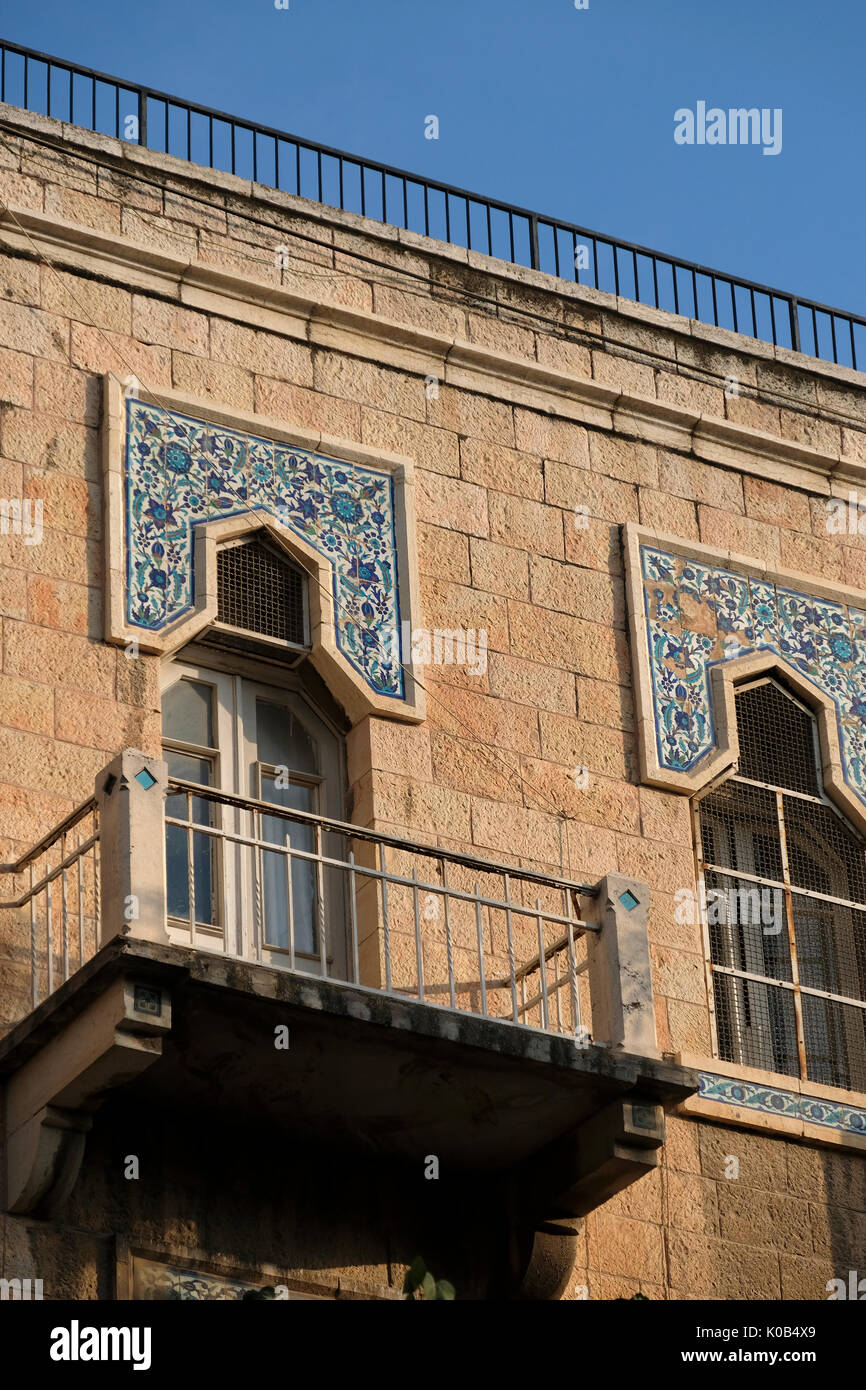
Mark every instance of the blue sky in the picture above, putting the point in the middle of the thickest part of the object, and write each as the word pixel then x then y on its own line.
pixel 567 111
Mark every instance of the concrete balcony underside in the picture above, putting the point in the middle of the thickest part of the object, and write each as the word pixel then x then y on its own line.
pixel 362 1070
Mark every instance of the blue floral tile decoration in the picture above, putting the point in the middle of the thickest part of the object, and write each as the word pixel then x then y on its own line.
pixel 181 473
pixel 698 616
pixel 768 1100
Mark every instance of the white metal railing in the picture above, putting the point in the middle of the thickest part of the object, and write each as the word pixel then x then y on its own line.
pixel 58 893
pixel 320 897
pixel 331 899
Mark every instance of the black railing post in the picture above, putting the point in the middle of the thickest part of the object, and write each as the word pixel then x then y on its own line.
pixel 533 242
pixel 794 310
pixel 142 118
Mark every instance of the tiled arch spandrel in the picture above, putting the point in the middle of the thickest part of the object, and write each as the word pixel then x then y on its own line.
pixel 701 621
pixel 182 476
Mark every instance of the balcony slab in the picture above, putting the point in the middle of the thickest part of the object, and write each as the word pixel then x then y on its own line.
pixel 362 1068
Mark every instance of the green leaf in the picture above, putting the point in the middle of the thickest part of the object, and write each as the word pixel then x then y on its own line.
pixel 414 1275
pixel 428 1287
pixel 445 1290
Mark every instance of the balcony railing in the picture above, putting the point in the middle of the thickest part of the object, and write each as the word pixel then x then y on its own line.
pixel 96 101
pixel 56 889
pixel 328 898
pixel 189 865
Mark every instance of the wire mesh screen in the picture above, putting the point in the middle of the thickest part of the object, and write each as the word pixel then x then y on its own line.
pixel 260 592
pixel 785 904
pixel 776 740
pixel 740 830
pixel 831 946
pixel 748 927
pixel 756 1024
pixel 823 854
pixel 835 1042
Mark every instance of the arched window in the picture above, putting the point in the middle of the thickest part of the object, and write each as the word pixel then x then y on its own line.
pixel 784 880
pixel 253 737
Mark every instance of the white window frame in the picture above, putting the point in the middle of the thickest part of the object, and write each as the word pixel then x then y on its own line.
pixel 238 771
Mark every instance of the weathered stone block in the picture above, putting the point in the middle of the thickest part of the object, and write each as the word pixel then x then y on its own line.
pixel 574 644
pixel 93 302
pixel 169 325
pixel 232 386
pixel 700 482
pixel 584 593
pixel 740 534
pixel 505 470
pixel 444 554
pixel 691 1203
pixel 501 569
pixel 99 351
pixel 16 378
pixel 448 502
pixel 307 409
pixel 371 385
pixel 266 354
pixel 551 437
pixel 660 511
pixel 84 208
pixel 623 459
pixel 517 521
pixel 434 449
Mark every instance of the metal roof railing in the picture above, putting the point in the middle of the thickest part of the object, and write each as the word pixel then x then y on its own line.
pixel 109 105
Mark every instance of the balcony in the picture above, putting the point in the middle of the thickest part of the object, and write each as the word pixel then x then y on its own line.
pixel 430 1002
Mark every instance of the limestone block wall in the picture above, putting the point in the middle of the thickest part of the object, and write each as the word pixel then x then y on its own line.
pixel 793 1219
pixel 540 418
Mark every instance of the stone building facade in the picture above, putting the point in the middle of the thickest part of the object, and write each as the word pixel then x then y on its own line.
pixel 614 522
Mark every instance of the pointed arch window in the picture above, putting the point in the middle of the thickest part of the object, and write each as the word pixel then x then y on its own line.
pixel 783 878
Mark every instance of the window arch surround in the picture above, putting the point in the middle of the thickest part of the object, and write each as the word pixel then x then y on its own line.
pixel 782 874
pixel 327 614
pixel 701 620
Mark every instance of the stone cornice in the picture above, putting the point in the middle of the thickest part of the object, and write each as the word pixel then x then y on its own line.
pixel 621 322
pixel 456 362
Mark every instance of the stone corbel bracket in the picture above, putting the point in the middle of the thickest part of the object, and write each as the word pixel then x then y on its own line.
pixel 50 1100
pixel 732 657
pixel 608 1152
pixel 345 681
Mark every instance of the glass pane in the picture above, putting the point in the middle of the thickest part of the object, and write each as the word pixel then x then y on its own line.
pixel 204 875
pixel 188 768
pixel 177 883
pixel 204 848
pixel 276 867
pixel 282 739
pixel 187 713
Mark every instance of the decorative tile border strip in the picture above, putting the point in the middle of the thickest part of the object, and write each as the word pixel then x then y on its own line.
pixel 182 472
pixel 770 1100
